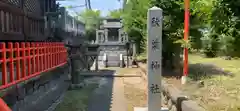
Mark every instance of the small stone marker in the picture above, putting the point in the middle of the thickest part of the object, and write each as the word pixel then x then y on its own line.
pixel 154 30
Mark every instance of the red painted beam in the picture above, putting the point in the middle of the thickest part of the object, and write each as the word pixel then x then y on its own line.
pixel 3 106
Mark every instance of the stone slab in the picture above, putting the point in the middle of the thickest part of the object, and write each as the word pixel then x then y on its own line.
pixel 145 109
pixel 191 106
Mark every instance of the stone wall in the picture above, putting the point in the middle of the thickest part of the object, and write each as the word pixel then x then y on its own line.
pixel 38 94
pixel 173 98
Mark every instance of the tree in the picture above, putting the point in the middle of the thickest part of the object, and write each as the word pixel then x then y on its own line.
pixel 135 19
pixel 115 13
pixel 92 19
pixel 225 23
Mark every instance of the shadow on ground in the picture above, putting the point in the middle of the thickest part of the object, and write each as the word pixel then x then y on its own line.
pixel 96 95
pixel 198 71
pixel 101 98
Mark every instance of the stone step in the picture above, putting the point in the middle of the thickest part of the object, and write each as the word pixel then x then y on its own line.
pixel 113 63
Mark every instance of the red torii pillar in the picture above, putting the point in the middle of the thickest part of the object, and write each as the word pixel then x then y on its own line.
pixel 4 106
pixel 186 34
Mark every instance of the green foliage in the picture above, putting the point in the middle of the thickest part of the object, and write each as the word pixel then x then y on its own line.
pixel 214 25
pixel 134 21
pixel 135 17
pixel 115 13
pixel 92 20
pixel 224 22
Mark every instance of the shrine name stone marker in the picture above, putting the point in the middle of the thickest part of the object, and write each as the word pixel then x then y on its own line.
pixel 154 57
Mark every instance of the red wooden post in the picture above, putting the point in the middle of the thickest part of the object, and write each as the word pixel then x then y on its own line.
pixel 45 55
pixel 58 51
pixel 41 57
pixel 33 65
pixel 18 61
pixel 11 65
pixel 48 45
pixel 42 50
pixel 23 68
pixel 62 53
pixel 51 56
pixel 28 59
pixel 37 57
pixel 4 64
pixel 55 54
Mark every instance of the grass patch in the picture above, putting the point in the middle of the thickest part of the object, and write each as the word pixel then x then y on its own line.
pixel 76 100
pixel 220 92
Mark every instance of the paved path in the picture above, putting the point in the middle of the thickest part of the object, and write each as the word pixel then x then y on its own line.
pixel 109 96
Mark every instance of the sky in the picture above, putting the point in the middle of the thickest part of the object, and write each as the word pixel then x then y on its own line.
pixel 103 5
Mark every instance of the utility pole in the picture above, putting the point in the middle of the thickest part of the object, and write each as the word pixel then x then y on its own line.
pixel 88 4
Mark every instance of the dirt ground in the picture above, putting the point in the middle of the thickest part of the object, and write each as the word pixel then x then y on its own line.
pixel 135 89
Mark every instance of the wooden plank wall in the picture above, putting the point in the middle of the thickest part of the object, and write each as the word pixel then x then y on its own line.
pixel 19 25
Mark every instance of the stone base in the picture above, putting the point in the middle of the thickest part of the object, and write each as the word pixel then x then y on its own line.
pixel 146 109
pixel 184 79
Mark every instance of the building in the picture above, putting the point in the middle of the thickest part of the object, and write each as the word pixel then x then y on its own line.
pixel 70 28
pixel 112 41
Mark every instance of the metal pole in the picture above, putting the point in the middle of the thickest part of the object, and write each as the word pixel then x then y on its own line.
pixel 186 34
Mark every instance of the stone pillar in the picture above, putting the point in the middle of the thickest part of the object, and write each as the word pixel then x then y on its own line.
pixel 75 65
pixel 106 35
pixel 97 36
pixel 127 51
pixel 105 59
pixel 121 61
pixel 120 35
pixel 154 56
pixel 86 58
pixel 126 37
pixel 134 49
pixel 74 70
pixel 102 37
pixel 96 63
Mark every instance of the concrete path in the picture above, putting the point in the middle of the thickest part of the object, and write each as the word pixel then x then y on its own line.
pixel 109 96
